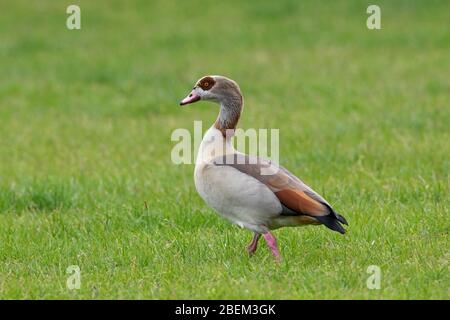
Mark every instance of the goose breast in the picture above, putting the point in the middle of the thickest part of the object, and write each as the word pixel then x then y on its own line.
pixel 237 196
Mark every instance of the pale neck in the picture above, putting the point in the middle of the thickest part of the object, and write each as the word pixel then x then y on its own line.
pixel 230 112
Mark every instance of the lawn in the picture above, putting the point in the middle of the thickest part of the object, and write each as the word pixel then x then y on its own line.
pixel 86 118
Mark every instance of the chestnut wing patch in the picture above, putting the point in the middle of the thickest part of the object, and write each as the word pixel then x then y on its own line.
pixel 300 202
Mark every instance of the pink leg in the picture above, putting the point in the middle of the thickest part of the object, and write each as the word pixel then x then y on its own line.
pixel 272 243
pixel 254 244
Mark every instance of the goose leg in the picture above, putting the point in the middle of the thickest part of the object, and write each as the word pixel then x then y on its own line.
pixel 272 243
pixel 254 244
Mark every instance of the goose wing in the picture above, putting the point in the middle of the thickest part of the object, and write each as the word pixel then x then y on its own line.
pixel 296 197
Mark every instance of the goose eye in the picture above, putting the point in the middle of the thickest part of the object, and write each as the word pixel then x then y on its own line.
pixel 206 83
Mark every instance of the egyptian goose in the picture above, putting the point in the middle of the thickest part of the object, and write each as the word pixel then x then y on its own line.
pixel 250 191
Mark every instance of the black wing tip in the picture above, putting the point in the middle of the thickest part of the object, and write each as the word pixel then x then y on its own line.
pixel 331 223
pixel 341 219
pixel 336 215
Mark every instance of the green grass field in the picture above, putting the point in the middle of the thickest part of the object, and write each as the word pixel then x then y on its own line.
pixel 85 123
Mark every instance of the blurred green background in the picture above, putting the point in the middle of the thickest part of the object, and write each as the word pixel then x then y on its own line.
pixel 86 118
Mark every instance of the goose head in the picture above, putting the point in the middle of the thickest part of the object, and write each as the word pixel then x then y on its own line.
pixel 218 89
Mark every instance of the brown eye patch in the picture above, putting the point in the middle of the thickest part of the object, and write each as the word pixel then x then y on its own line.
pixel 206 83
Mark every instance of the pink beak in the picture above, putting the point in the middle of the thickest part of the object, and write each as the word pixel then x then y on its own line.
pixel 191 98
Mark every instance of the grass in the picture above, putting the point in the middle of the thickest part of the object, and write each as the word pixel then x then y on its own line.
pixel 85 124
